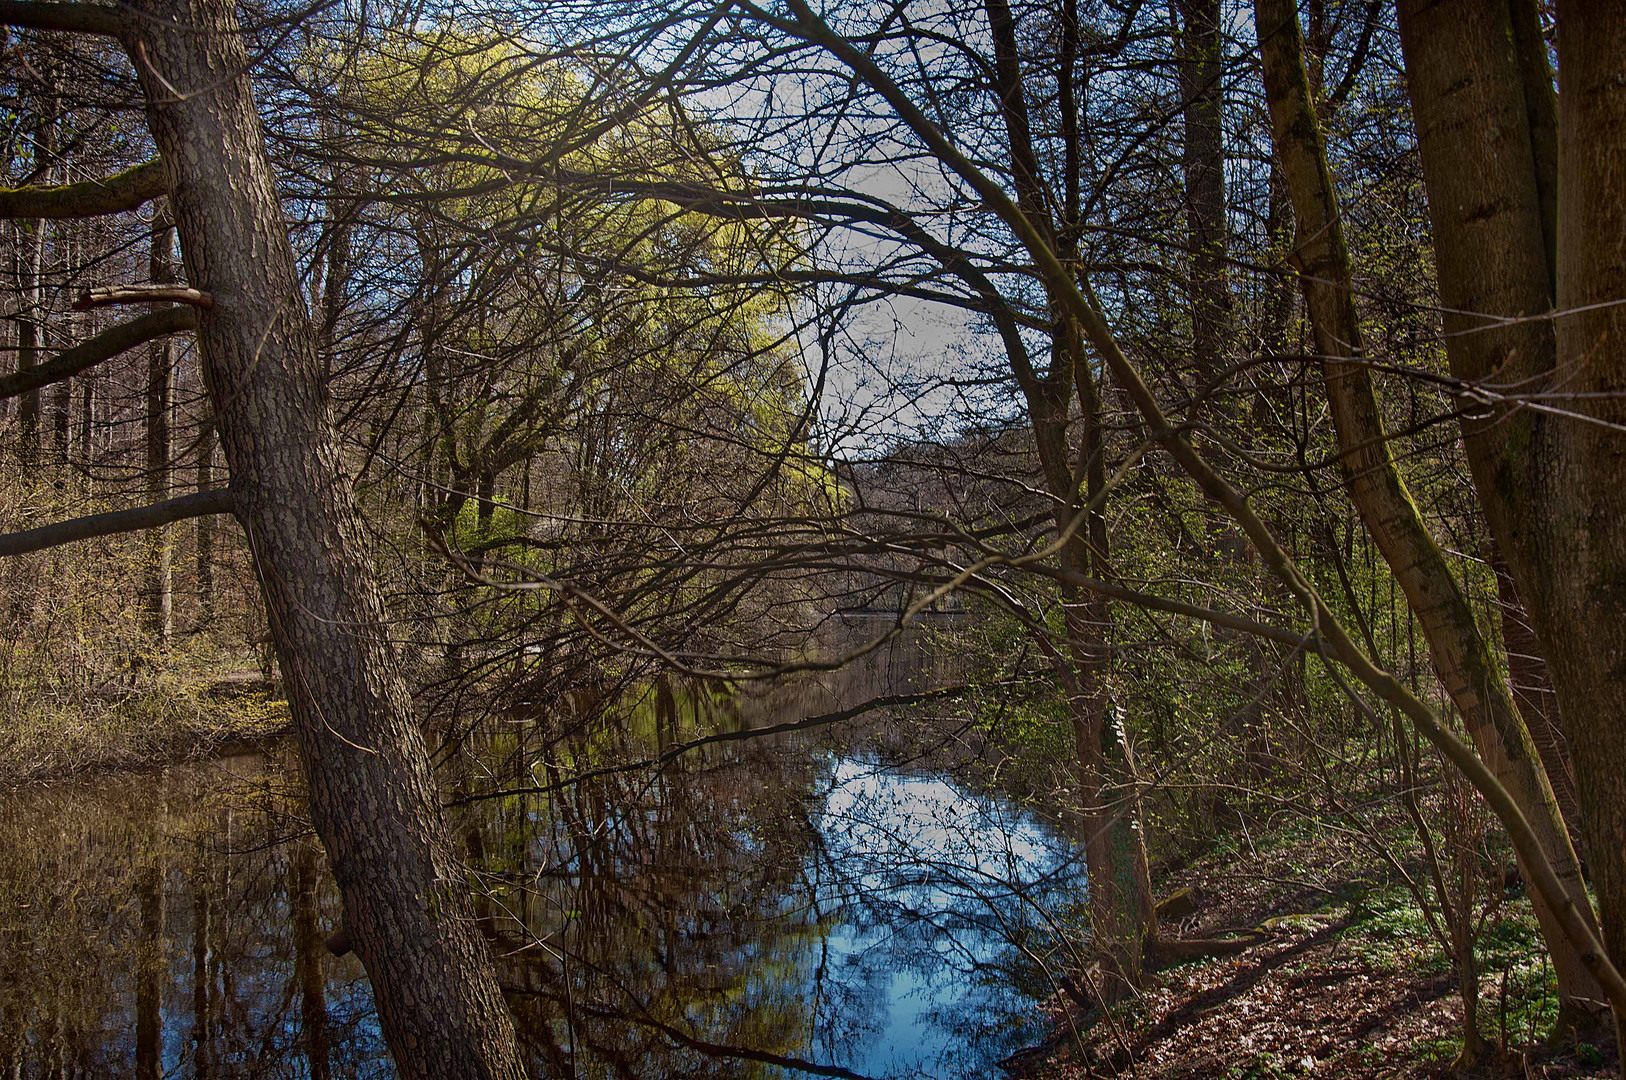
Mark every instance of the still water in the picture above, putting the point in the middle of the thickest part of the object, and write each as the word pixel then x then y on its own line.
pixel 751 911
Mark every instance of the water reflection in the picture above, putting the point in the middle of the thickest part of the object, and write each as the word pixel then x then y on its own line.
pixel 752 910
pixel 940 895
pixel 149 926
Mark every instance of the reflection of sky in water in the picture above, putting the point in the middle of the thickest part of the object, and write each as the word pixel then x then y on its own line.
pixel 932 885
pixel 881 946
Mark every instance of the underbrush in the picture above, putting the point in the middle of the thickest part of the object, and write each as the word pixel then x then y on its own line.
pixel 1348 980
pixel 85 682
pixel 161 717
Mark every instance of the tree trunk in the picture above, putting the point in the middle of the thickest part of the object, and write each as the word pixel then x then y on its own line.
pixel 1115 851
pixel 31 257
pixel 160 392
pixel 1527 219
pixel 1465 663
pixel 373 798
pixel 1585 466
pixel 1203 156
pixel 203 551
pixel 1122 916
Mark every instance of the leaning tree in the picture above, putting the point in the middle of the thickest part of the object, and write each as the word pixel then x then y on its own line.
pixel 372 796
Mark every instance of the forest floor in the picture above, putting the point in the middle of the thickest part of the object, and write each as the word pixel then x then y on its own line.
pixel 1348 983
pixel 159 722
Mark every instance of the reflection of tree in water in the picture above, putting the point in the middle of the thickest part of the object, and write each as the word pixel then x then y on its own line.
pixel 957 901
pixel 151 927
pixel 748 904
pixel 645 918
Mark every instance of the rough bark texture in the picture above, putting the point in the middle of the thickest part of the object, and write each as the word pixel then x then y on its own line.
pixel 1203 158
pixel 203 545
pixel 1584 515
pixel 1528 219
pixel 373 799
pixel 1489 193
pixel 1463 658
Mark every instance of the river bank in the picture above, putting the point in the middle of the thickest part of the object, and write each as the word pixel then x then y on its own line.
pixel 791 879
pixel 164 720
pixel 1346 982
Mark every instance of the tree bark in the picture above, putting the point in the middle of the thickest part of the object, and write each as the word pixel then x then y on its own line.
pixel 1203 157
pixel 373 798
pixel 31 232
pixel 160 392
pixel 203 541
pixel 1491 175
pixel 1584 515
pixel 1466 665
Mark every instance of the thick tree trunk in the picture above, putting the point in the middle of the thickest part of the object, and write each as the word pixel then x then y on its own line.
pixel 373 798
pixel 1527 218
pixel 1489 162
pixel 1585 511
pixel 1465 663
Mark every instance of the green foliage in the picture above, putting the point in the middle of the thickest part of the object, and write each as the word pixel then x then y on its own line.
pixel 1391 934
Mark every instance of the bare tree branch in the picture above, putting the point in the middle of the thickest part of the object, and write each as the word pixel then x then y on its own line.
pixel 104 346
pixel 198 504
pixel 142 294
pixel 87 198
